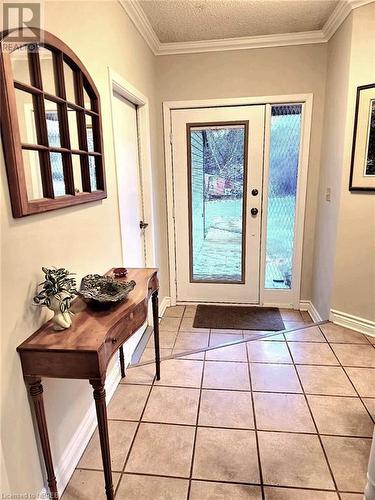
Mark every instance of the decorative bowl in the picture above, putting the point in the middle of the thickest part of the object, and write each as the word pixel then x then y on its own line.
pixel 104 290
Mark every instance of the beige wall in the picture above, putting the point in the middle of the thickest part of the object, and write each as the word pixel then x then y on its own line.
pixel 260 72
pixel 83 239
pixel 331 161
pixel 354 276
pixel 344 264
pixel 102 35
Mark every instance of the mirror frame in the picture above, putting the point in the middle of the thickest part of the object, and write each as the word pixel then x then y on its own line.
pixel 12 146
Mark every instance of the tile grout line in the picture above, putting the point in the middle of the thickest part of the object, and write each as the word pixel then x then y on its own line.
pixel 259 338
pixel 314 422
pixel 276 431
pixel 135 435
pixel 350 380
pixel 283 486
pixel 196 430
pixel 255 391
pixel 255 426
pixel 123 472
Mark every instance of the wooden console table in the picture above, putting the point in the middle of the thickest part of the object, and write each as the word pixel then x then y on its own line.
pixel 83 352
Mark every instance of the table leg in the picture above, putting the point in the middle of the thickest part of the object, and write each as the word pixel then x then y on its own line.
pixel 122 361
pixel 101 413
pixel 36 393
pixel 155 315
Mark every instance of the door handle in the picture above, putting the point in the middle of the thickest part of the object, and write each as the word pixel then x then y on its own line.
pixel 142 224
pixel 254 211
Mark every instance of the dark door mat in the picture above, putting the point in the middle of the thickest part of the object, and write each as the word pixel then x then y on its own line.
pixel 238 318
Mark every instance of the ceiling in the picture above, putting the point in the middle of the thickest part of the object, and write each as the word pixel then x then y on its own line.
pixel 193 20
pixel 190 26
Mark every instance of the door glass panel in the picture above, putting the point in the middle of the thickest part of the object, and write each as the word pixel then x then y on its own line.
pixel 217 176
pixel 282 190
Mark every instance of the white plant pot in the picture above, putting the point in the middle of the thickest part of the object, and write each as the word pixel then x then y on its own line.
pixel 61 320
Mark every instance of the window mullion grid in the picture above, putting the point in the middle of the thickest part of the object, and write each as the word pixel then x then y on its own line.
pixel 65 143
pixel 41 126
pixel 98 148
pixel 62 110
pixel 59 74
pixel 82 137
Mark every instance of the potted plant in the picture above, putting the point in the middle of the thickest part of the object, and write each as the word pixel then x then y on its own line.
pixel 58 290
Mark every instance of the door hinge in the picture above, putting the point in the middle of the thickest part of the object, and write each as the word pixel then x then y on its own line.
pixel 170 138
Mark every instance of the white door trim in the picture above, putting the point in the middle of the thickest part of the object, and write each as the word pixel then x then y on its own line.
pixel 129 92
pixel 307 101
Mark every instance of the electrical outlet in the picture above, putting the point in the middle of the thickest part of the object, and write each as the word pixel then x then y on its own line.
pixel 328 194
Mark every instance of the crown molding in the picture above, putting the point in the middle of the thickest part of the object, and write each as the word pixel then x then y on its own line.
pixel 248 42
pixel 339 15
pixel 141 22
pixel 143 25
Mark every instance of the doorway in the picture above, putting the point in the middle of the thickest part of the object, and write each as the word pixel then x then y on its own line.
pixel 129 181
pixel 131 134
pixel 218 154
pixel 238 184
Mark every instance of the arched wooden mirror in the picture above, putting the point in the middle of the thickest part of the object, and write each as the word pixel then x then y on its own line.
pixel 51 127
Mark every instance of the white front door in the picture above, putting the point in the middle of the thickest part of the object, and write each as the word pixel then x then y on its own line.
pixel 129 182
pixel 217 169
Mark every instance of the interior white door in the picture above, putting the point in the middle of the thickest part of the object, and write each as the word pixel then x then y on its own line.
pixel 129 194
pixel 217 174
pixel 129 182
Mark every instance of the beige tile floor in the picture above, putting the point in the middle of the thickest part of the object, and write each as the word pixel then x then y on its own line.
pixel 288 417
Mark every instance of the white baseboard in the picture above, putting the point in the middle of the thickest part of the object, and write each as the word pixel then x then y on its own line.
pixel 166 302
pixel 65 467
pixel 307 305
pixel 354 322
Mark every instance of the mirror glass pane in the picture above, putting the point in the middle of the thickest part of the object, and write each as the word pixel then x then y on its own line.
pixel 92 168
pixel 33 176
pixel 89 134
pixel 73 129
pixel 26 117
pixel 69 83
pixel 86 100
pixel 76 161
pixel 217 173
pixel 53 125
pixel 20 65
pixel 46 67
pixel 57 174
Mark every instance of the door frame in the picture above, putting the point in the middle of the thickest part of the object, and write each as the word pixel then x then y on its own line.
pixel 281 297
pixel 125 89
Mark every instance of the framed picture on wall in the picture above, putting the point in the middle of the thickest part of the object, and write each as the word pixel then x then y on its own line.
pixel 362 171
